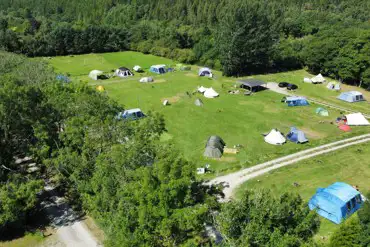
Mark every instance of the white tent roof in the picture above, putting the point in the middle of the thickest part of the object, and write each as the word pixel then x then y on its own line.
pixel 275 138
pixel 307 80
pixel 202 89
pixel 210 93
pixel 137 68
pixel 318 78
pixel 356 119
pixel 95 73
pixel 146 79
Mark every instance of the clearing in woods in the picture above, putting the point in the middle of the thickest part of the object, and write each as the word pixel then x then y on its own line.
pixel 238 119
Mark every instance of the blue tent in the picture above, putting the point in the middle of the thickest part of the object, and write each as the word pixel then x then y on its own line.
pixel 336 202
pixel 158 69
pixel 296 101
pixel 296 135
pixel 351 96
pixel 63 78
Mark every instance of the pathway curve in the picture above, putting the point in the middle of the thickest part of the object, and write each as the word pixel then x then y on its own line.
pixel 234 180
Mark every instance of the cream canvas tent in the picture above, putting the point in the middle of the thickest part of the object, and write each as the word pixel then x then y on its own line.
pixel 202 89
pixel 198 102
pixel 356 119
pixel 146 79
pixel 307 80
pixel 95 74
pixel 210 93
pixel 275 137
pixel 318 79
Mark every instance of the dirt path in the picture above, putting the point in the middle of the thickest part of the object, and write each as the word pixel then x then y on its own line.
pixel 70 229
pixel 234 180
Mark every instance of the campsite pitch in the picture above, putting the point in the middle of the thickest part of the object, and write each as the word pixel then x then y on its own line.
pixel 239 120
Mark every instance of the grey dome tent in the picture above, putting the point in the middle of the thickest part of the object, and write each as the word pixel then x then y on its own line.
pixel 351 96
pixel 296 135
pixel 123 72
pixel 198 102
pixel 214 147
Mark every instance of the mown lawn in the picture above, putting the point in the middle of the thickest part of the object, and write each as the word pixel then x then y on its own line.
pixel 351 165
pixel 238 119
pixel 319 91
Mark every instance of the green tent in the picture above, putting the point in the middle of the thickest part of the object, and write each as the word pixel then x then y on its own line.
pixel 322 112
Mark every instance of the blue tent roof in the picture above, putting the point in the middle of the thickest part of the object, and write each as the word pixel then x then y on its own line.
pixel 336 202
pixel 296 135
pixel 296 101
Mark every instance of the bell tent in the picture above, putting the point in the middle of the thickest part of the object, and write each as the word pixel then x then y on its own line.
pixel 356 119
pixel 123 72
pixel 95 74
pixel 296 136
pixel 214 147
pixel 158 69
pixel 205 72
pixel 318 79
pixel 296 101
pixel 351 96
pixel 322 112
pixel 275 137
pixel 210 93
pixel 336 202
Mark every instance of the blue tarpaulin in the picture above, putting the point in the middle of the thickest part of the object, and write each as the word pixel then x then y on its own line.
pixel 336 202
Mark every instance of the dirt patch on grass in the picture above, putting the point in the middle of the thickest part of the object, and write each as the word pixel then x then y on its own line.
pixel 243 102
pixel 313 134
pixel 228 159
pixel 173 99
pixel 159 81
pixel 191 75
pixel 269 109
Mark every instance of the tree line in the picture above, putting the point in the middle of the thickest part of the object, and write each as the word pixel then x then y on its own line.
pixel 239 37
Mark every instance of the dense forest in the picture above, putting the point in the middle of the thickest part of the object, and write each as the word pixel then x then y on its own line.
pixel 237 36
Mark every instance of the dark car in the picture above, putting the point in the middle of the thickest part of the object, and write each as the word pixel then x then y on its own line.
pixel 292 87
pixel 283 84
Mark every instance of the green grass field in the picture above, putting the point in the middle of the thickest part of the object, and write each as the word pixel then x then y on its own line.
pixel 238 119
pixel 29 240
pixel 351 165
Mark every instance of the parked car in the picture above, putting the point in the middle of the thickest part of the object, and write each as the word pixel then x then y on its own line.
pixel 292 87
pixel 283 84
